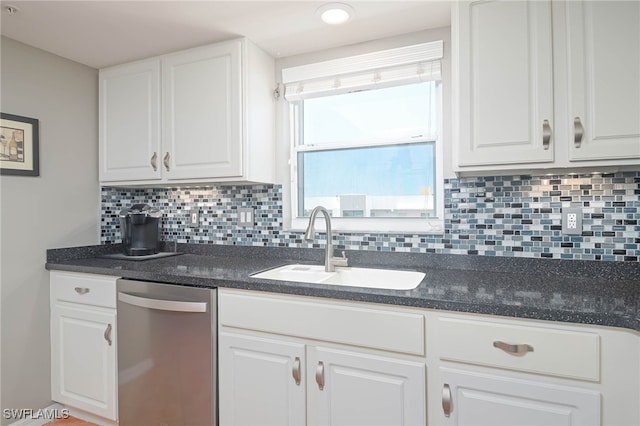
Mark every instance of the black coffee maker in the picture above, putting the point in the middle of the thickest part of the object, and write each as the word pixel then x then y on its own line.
pixel 140 229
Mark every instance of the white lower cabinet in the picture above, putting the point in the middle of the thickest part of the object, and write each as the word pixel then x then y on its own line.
pixel 261 381
pixel 471 398
pixel 271 381
pixel 294 360
pixel 351 388
pixel 301 360
pixel 268 378
pixel 83 342
pixel 488 370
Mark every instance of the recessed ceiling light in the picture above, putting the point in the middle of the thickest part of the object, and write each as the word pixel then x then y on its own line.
pixel 335 13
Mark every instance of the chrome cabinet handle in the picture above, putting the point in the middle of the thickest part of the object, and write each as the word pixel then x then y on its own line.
pixel 161 304
pixel 546 134
pixel 165 161
pixel 81 290
pixel 513 349
pixel 578 132
pixel 320 375
pixel 154 161
pixel 296 370
pixel 107 334
pixel 446 400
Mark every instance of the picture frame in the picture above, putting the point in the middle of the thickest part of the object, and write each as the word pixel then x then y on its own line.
pixel 19 145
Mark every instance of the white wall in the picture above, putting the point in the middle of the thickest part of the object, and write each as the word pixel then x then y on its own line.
pixel 60 208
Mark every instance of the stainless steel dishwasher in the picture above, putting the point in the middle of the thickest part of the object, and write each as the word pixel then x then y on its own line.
pixel 166 354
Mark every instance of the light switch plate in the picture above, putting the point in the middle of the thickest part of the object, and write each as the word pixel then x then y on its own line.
pixel 571 221
pixel 194 218
pixel 245 216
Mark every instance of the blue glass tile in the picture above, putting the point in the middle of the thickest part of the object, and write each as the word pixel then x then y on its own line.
pixel 485 205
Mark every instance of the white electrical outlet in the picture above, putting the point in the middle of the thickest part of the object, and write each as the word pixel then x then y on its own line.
pixel 572 221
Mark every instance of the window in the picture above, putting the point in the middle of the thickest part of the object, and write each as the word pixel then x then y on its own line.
pixel 368 152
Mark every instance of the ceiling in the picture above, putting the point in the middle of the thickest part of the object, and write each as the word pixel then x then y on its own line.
pixel 108 32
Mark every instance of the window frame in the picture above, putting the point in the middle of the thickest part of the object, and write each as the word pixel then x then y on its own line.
pixel 429 225
pixel 291 132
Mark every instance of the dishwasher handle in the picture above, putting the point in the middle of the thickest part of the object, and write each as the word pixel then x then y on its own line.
pixel 163 305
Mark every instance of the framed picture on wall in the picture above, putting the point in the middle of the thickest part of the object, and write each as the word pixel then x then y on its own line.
pixel 19 145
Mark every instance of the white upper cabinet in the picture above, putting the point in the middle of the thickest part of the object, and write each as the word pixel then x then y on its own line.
pixel 505 99
pixel 217 117
pixel 603 41
pixel 130 122
pixel 545 84
pixel 202 112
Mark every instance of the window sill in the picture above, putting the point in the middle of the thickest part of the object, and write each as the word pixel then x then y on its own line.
pixel 374 226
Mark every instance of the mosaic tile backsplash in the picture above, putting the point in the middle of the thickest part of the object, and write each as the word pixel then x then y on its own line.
pixel 490 216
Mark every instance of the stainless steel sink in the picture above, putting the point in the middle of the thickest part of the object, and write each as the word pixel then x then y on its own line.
pixel 345 276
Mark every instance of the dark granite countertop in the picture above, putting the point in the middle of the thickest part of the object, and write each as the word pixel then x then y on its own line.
pixel 586 292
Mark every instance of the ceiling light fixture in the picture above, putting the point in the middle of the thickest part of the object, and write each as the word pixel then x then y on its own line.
pixel 335 13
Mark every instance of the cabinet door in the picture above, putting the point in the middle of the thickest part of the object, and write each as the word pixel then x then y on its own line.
pixel 83 358
pixel 130 122
pixel 482 399
pixel 504 82
pixel 202 116
pixel 261 381
pixel 359 389
pixel 604 79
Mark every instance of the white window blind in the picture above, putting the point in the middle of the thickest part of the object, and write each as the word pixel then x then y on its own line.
pixel 392 67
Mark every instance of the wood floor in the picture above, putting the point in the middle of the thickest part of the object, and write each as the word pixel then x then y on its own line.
pixel 69 421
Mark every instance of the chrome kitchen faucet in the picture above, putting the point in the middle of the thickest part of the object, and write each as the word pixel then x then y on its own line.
pixel 330 262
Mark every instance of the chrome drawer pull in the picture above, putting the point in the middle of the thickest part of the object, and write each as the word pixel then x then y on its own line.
pixel 296 370
pixel 513 349
pixel 81 290
pixel 578 132
pixel 546 134
pixel 446 400
pixel 320 375
pixel 107 334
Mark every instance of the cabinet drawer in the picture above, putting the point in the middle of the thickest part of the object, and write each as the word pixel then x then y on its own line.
pixel 338 322
pixel 88 289
pixel 565 353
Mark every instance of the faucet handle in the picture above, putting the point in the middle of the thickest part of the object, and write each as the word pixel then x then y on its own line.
pixel 340 261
